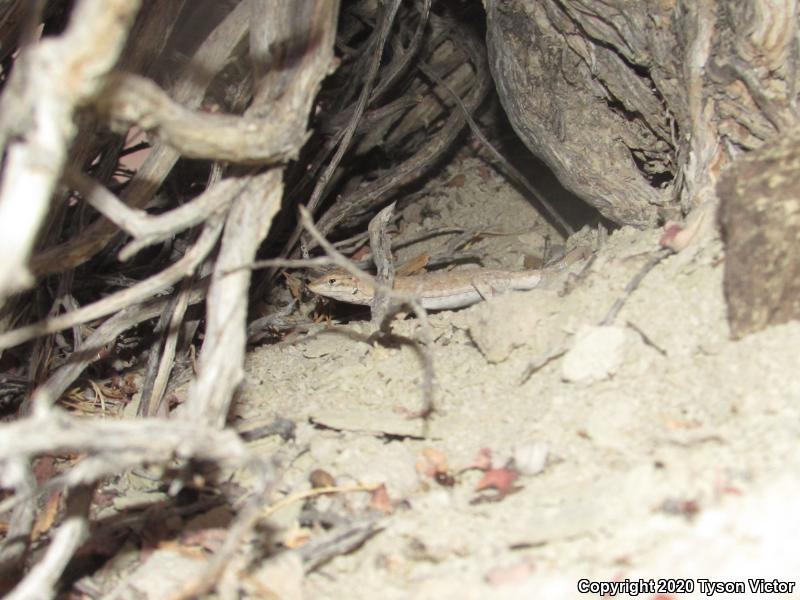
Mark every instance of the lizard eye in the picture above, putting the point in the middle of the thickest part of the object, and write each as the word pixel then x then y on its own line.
pixel 332 281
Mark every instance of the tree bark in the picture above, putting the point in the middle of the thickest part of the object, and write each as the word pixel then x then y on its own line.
pixel 638 108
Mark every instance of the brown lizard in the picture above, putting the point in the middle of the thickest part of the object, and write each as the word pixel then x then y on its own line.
pixel 441 290
pixel 435 291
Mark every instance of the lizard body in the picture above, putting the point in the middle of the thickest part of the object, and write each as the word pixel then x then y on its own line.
pixel 442 290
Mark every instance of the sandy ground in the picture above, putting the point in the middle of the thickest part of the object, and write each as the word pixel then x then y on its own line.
pixel 655 450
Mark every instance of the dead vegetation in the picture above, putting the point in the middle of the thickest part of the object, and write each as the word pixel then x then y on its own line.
pixel 148 153
pixel 156 153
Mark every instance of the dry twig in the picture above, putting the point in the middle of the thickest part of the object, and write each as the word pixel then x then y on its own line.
pixel 189 90
pixel 51 79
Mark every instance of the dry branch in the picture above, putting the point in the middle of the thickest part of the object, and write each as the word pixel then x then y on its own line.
pixel 189 90
pixel 355 208
pixel 144 228
pixel 51 79
pixel 291 51
pixel 90 350
pixel 153 440
pixel 124 298
pixel 42 580
pixel 132 100
pixel 302 36
pixel 112 447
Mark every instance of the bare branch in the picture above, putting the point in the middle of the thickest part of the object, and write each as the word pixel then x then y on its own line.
pixel 49 81
pixel 154 440
pixel 222 355
pixel 142 290
pixel 146 229
pixel 41 581
pixel 132 100
pixel 189 90
pixel 304 29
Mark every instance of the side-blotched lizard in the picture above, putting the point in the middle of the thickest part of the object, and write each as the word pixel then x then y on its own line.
pixel 435 291
pixel 440 290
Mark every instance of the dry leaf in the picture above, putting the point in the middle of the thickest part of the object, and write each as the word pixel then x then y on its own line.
pixel 458 181
pixel 380 500
pixel 48 516
pixel 415 265
pixel 501 480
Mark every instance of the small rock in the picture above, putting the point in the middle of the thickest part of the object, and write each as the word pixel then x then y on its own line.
pixel 530 458
pixel 596 354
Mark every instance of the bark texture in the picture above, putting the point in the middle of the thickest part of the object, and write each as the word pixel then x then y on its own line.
pixel 636 106
pixel 760 216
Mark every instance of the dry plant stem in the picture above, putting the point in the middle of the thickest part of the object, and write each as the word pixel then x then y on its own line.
pixel 41 581
pixel 286 94
pixel 381 246
pixel 18 476
pixel 49 81
pixel 378 120
pixel 338 541
pixel 156 441
pixel 119 300
pixel 355 118
pixel 133 100
pixel 544 358
pixel 148 230
pixel 426 350
pixel 353 243
pixel 351 209
pixel 222 355
pixel 287 263
pixel 213 201
pixel 149 35
pixel 332 489
pixel 633 284
pixel 399 67
pixel 148 402
pixel 114 446
pixel 142 54
pixel 176 314
pixel 566 228
pixel 347 136
pixel 262 32
pixel 46 394
pixel 189 90
pixel 369 119
pixel 448 59
pixel 22 481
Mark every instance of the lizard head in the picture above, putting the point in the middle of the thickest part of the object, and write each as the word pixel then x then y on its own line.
pixel 341 286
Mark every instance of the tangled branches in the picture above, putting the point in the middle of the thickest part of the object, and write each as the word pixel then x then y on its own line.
pixel 147 157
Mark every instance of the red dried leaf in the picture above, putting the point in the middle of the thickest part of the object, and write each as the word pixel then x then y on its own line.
pixel 501 480
pixel 380 500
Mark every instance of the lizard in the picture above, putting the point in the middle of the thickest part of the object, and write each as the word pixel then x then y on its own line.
pixel 440 290
pixel 436 291
pixel 444 290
